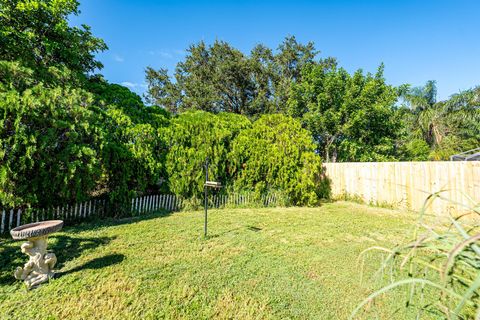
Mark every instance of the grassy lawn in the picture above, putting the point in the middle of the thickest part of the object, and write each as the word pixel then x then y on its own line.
pixel 257 263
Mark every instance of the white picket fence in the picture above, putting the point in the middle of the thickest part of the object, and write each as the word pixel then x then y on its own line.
pixel 11 218
pixel 238 199
pixel 151 203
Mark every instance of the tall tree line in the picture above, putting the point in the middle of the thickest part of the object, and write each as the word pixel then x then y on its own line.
pixel 352 116
pixel 266 119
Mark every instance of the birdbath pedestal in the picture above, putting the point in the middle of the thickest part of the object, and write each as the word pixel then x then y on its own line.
pixel 39 268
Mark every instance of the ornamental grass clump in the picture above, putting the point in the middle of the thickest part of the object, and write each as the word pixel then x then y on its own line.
pixel 439 268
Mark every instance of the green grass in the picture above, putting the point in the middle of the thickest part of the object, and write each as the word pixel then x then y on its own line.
pixel 280 263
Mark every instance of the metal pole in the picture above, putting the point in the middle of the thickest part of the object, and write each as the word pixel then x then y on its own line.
pixel 206 198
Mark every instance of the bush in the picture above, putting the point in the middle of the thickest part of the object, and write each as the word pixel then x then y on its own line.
pixel 194 136
pixel 277 154
pixel 49 150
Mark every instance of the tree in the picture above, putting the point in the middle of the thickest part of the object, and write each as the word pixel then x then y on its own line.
pixel 277 154
pixel 446 127
pixel 291 59
pixel 220 78
pixel 49 149
pixel 37 35
pixel 193 136
pixel 351 117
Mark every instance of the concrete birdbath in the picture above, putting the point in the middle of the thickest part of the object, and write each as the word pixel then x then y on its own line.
pixel 39 268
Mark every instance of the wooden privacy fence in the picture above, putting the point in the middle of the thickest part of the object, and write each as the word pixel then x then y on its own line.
pixel 13 217
pixel 408 184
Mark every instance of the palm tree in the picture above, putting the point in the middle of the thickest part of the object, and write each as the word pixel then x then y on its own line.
pixel 433 120
pixel 428 115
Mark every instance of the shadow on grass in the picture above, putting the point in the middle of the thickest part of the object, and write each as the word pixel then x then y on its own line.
pixel 96 263
pixel 66 247
pixel 97 223
pixel 217 235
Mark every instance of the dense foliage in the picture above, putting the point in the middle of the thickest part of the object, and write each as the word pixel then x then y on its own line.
pixel 193 137
pixel 265 119
pixel 48 146
pixel 351 117
pixel 435 130
pixel 66 135
pixel 276 153
pixel 221 78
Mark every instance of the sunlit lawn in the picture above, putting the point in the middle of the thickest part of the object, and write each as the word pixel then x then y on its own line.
pixel 297 263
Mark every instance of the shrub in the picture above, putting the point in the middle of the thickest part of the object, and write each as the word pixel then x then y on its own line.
pixel 276 153
pixel 194 136
pixel 49 147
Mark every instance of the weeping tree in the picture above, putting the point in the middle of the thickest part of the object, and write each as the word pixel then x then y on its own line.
pixel 49 151
pixel 277 154
pixel 192 137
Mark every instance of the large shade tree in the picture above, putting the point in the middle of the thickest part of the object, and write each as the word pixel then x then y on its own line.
pixel 351 117
pixel 36 33
pixel 220 78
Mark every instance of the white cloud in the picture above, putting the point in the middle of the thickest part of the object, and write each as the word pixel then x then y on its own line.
pixel 129 84
pixel 118 58
pixel 167 54
pixel 133 85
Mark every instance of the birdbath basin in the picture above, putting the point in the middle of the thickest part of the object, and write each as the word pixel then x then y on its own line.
pixel 39 268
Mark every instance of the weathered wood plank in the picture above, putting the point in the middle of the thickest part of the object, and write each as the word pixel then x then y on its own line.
pixel 408 184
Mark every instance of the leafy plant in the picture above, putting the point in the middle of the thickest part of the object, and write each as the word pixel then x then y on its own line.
pixel 277 154
pixel 442 265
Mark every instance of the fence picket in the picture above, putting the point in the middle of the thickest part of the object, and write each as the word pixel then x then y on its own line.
pixel 11 219
pixel 2 224
pixel 19 213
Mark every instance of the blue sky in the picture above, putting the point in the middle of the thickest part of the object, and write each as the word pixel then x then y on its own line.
pixel 417 40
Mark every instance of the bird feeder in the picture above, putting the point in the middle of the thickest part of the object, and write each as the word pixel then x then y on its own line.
pixel 208 184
